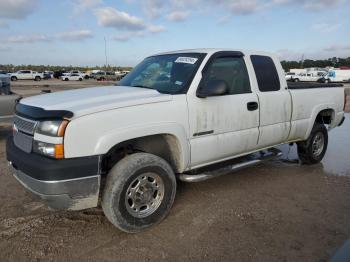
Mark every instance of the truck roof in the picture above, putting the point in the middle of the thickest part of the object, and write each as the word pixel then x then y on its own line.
pixel 214 50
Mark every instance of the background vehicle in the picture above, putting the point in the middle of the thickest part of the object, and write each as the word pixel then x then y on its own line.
pixel 289 75
pixel 337 76
pixel 105 76
pixel 7 99
pixel 315 76
pixel 58 74
pixel 73 77
pixel 174 116
pixel 26 75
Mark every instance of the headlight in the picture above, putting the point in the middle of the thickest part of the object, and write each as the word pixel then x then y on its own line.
pixel 52 128
pixel 47 149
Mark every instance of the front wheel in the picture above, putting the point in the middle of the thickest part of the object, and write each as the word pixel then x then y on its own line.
pixel 139 192
pixel 13 78
pixel 314 148
pixel 37 78
pixel 296 80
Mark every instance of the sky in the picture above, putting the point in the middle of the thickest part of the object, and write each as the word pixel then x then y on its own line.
pixel 74 32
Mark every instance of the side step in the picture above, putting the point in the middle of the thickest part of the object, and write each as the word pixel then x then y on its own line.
pixel 253 160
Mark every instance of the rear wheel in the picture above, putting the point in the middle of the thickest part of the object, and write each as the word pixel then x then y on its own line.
pixel 314 148
pixel 37 78
pixel 296 80
pixel 66 79
pixel 13 78
pixel 139 192
pixel 80 79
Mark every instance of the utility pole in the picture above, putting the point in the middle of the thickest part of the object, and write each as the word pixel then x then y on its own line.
pixel 106 53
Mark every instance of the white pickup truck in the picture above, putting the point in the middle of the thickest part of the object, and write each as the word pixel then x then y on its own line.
pixel 174 116
pixel 27 75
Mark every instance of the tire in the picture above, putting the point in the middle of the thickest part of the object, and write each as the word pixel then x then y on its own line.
pixel 80 79
pixel 120 193
pixel 310 153
pixel 326 81
pixel 296 80
pixel 66 79
pixel 37 78
pixel 13 78
pixel 86 77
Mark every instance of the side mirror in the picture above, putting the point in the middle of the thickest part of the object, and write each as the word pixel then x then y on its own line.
pixel 213 88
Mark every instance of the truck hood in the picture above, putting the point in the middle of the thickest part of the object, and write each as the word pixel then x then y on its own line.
pixel 96 99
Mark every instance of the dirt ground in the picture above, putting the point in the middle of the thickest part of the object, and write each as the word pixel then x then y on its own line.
pixel 278 211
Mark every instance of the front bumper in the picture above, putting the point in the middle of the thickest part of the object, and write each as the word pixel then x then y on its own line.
pixel 69 184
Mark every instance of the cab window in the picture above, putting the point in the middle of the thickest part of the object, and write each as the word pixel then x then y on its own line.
pixel 231 70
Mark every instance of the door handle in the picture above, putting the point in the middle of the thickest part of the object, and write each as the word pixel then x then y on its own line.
pixel 251 106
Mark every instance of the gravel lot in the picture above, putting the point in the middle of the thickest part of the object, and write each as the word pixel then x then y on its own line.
pixel 278 211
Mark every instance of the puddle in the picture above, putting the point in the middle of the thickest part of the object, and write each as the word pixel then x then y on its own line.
pixel 337 158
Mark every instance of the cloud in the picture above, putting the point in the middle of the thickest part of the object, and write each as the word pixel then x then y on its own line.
pixel 110 17
pixel 87 4
pixel 153 8
pixel 17 9
pixel 64 36
pixel 127 36
pixel 75 35
pixel 156 28
pixel 22 39
pixel 3 24
pixel 326 27
pixel 177 16
pixel 4 48
pixel 336 48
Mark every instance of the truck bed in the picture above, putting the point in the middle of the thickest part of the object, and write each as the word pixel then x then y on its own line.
pixel 303 85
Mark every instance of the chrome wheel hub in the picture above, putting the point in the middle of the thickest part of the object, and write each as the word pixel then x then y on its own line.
pixel 318 144
pixel 144 195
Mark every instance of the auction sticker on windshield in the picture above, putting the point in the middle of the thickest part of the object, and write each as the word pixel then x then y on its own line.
pixel 186 60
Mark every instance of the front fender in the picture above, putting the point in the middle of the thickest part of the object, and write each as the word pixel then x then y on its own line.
pixel 114 137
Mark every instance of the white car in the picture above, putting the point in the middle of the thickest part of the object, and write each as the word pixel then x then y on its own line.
pixel 26 75
pixel 172 117
pixel 73 77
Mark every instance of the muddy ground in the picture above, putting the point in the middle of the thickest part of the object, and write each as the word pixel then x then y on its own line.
pixel 278 211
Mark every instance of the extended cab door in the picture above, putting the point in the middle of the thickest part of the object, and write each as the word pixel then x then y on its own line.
pixel 227 125
pixel 274 100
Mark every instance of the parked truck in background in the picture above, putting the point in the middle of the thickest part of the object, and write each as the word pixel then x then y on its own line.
pixel 26 75
pixel 337 75
pixel 172 117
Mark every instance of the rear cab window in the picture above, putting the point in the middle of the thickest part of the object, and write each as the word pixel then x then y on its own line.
pixel 266 73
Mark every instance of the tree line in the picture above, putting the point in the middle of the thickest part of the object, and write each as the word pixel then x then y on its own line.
pixel 331 62
pixel 42 68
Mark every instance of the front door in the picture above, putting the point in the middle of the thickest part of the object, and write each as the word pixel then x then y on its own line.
pixel 223 126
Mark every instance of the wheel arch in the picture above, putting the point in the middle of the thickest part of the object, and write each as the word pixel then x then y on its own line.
pixel 323 114
pixel 165 145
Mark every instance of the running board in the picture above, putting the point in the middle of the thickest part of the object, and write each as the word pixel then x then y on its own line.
pixel 266 155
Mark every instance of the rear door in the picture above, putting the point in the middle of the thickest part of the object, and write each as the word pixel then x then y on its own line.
pixel 274 99
pixel 222 127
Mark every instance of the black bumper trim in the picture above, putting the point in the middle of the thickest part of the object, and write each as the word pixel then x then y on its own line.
pixel 43 168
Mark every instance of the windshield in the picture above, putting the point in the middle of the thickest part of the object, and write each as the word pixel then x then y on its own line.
pixel 171 74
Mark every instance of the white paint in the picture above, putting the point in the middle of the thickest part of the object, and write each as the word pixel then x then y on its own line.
pixel 106 116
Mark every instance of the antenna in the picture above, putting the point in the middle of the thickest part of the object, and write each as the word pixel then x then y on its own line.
pixel 106 52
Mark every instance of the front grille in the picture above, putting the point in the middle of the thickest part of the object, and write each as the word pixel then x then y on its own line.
pixel 24 125
pixel 23 141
